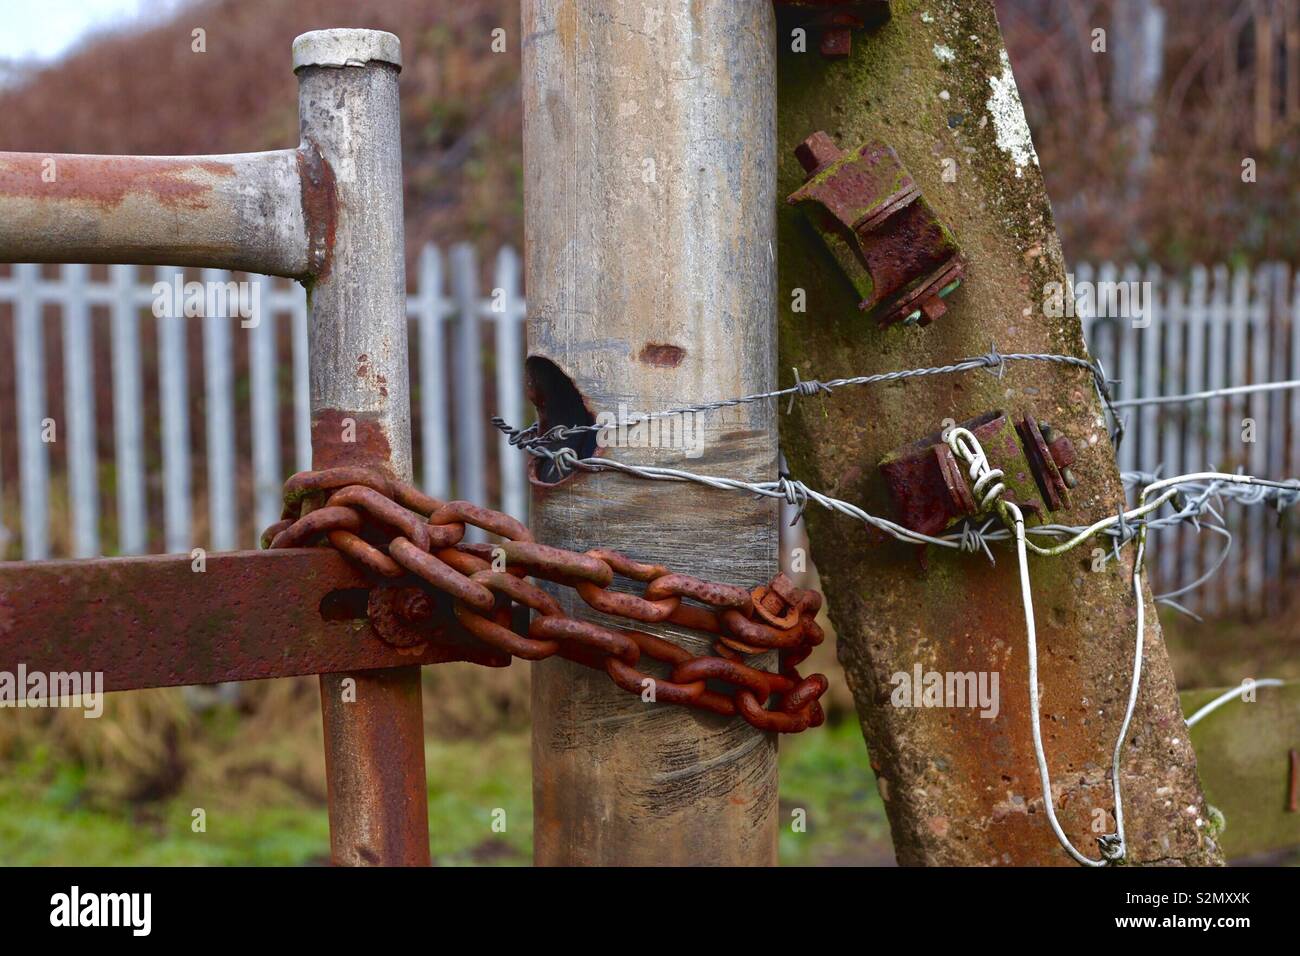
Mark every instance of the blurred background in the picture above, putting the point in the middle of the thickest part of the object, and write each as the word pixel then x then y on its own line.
pixel 178 433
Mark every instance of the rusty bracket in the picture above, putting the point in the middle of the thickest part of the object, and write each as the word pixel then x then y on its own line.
pixel 902 260
pixel 835 19
pixel 930 488
pixel 155 621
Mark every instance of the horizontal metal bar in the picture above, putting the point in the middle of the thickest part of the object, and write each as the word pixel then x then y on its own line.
pixel 243 211
pixel 155 621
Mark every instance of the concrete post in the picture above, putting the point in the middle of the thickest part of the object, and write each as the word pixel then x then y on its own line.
pixel 935 83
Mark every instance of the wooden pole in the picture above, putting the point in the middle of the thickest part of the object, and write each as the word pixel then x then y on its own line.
pixel 649 211
pixel 961 789
pixel 360 407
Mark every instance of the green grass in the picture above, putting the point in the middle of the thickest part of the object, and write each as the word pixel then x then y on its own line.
pixel 825 772
pixel 46 817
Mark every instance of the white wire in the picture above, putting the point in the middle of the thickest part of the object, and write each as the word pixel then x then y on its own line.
pixel 1208 394
pixel 1228 695
pixel 967 447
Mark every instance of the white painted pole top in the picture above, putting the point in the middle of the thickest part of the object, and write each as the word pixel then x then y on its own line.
pixel 346 48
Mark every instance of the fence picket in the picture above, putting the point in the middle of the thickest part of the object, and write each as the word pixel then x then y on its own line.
pixel 301 382
pixel 1172 332
pixel 467 400
pixel 33 451
pixel 128 411
pixel 1257 407
pixel 265 402
pixel 79 410
pixel 219 410
pixel 430 308
pixel 173 410
pixel 1229 585
pixel 1278 460
pixel 509 376
pixel 1194 458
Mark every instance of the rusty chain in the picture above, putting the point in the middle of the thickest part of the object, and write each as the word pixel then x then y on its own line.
pixel 406 538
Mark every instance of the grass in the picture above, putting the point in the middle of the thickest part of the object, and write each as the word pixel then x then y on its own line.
pixel 48 816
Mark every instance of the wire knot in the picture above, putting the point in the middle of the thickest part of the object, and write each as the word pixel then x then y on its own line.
pixel 804 389
pixel 1112 848
pixel 988 485
pixel 994 360
pixel 973 539
pixel 795 493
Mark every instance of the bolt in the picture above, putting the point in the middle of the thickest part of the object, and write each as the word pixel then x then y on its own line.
pixel 413 606
pixel 1061 449
pixel 816 152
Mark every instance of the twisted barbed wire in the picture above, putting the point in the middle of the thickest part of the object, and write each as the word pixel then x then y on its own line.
pixel 993 360
pixel 1194 498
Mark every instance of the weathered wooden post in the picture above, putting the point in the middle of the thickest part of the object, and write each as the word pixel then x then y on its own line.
pixel 935 83
pixel 360 403
pixel 649 211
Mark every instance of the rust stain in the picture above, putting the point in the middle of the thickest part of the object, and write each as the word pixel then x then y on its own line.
pixel 107 180
pixel 331 430
pixel 662 355
pixel 319 208
pixel 366 371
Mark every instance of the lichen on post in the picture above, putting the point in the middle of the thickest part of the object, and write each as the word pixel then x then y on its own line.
pixel 935 84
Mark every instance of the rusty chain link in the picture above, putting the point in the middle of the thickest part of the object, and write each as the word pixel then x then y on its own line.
pixel 403 536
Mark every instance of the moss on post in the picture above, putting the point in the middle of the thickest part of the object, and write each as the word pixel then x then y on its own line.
pixel 934 83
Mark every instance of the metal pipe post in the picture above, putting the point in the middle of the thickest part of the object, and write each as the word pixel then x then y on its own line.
pixel 242 211
pixel 360 408
pixel 649 137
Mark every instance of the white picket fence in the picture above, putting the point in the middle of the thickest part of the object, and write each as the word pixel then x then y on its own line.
pixel 1214 327
pixel 450 357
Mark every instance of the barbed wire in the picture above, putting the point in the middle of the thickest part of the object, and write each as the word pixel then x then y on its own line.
pixel 993 360
pixel 1194 498
pixel 971 536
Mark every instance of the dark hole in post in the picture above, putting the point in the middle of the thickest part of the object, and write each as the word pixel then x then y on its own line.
pixel 558 402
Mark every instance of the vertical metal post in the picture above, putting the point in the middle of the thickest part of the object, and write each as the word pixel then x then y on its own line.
pixel 649 220
pixel 360 407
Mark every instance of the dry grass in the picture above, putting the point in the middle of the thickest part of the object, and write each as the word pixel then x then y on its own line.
pixel 265 745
